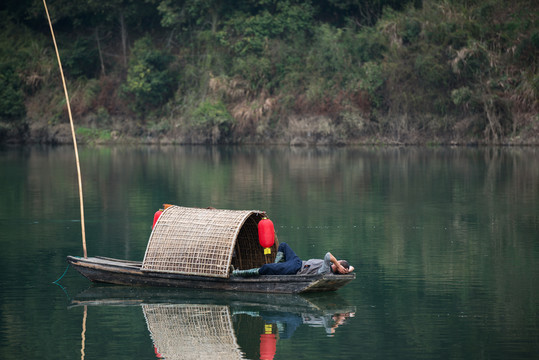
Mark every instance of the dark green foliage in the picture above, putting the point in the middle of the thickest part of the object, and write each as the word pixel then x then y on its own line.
pixel 260 38
pixel 485 11
pixel 257 70
pixel 411 31
pixel 372 80
pixel 369 45
pixel 249 33
pixel 404 65
pixel 527 50
pixel 431 70
pixel 150 78
pixel 448 34
pixel 462 96
pixel 365 12
pixel 212 122
pixel 329 55
pixel 80 59
pixel 11 96
pixel 475 63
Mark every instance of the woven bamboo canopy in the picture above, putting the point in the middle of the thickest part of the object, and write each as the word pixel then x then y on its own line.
pixel 205 242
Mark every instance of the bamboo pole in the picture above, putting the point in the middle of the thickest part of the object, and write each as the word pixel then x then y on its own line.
pixel 72 133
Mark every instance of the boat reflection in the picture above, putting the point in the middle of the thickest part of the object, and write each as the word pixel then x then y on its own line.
pixel 204 324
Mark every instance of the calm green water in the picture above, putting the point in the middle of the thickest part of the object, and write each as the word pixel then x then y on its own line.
pixel 445 243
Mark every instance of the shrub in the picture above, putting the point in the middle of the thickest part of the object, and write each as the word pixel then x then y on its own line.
pixel 447 34
pixel 80 59
pixel 212 122
pixel 352 125
pixel 370 44
pixel 372 81
pixel 328 55
pixel 411 31
pixel 256 70
pixel 88 135
pixel 528 49
pixel 461 96
pixel 248 33
pixel 431 70
pixel 471 61
pixel 11 96
pixel 150 78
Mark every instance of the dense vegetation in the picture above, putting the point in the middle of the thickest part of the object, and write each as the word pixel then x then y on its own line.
pixel 267 71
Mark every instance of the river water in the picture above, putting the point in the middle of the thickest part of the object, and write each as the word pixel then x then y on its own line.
pixel 444 240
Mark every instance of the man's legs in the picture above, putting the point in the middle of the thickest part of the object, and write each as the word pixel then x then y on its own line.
pixel 290 265
pixel 289 254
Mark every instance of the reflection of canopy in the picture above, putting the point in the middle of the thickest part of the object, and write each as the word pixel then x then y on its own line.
pixel 192 331
pixel 193 241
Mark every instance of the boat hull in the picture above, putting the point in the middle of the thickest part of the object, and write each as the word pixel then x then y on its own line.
pixel 123 272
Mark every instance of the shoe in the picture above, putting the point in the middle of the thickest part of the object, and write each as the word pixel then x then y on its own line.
pixel 279 257
pixel 246 273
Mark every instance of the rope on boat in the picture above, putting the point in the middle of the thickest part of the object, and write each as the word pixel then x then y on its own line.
pixel 60 278
pixel 61 287
pixel 72 132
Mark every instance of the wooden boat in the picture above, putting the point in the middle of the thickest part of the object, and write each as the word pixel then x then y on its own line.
pixel 198 248
pixel 122 272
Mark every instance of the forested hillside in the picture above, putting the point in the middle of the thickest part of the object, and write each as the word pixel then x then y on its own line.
pixel 265 71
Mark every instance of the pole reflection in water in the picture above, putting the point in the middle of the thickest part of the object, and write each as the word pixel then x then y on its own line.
pixel 83 334
pixel 210 325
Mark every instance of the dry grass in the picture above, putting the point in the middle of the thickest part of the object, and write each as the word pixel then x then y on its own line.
pixel 248 109
pixel 232 89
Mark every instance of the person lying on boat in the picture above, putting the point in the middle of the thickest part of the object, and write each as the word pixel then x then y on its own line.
pixel 288 263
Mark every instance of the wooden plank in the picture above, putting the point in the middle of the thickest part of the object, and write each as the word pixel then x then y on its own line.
pixel 131 262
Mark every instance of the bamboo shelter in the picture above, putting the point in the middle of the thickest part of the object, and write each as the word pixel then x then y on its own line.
pixel 205 242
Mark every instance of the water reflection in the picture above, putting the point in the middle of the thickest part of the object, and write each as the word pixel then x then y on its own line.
pixel 203 324
pixel 191 331
pixel 445 240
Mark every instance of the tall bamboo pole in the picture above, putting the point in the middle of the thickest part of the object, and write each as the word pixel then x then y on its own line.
pixel 72 133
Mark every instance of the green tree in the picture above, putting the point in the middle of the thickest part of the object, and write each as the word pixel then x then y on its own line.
pixel 151 78
pixel 362 12
pixel 212 123
pixel 11 95
pixel 188 15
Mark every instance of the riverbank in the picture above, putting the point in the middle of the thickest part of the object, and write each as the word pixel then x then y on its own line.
pixel 429 72
pixel 300 131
